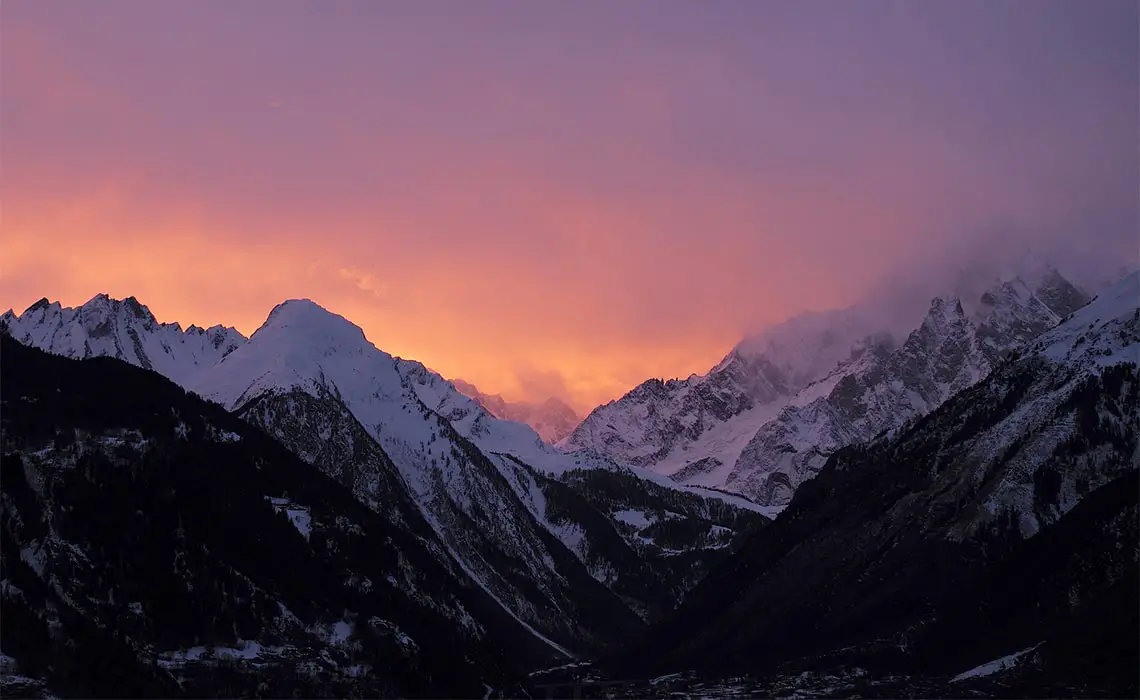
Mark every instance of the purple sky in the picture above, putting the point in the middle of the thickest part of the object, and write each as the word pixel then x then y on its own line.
pixel 556 197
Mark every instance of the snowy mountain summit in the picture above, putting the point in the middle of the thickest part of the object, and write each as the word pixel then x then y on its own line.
pixel 299 345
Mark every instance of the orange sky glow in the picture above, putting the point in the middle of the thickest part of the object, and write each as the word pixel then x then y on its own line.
pixel 483 317
pixel 565 225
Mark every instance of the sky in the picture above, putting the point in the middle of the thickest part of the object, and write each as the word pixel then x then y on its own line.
pixel 555 198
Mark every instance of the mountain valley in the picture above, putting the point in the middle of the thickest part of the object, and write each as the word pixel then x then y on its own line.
pixel 196 512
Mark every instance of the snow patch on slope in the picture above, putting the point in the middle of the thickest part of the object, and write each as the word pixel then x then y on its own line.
pixel 298 515
pixel 989 668
pixel 1095 335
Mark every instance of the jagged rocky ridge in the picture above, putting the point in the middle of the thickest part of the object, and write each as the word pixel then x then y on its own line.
pixel 760 423
pixel 951 350
pixel 1004 521
pixel 154 544
pixel 698 425
pixel 127 330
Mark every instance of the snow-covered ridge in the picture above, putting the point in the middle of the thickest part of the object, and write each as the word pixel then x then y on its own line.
pixel 668 426
pixel 1097 334
pixel 695 429
pixel 124 329
pixel 300 345
pixel 989 668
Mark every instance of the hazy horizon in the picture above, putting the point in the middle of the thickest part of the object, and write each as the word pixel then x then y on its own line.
pixel 546 201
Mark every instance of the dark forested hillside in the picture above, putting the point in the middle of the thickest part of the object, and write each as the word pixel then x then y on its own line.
pixel 155 545
pixel 584 614
pixel 654 564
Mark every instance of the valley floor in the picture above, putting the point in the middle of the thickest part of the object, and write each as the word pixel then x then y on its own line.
pixel 996 679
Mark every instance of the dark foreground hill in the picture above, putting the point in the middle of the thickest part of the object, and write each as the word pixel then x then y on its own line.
pixel 1001 526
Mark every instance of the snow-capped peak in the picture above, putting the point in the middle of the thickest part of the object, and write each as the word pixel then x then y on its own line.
pixel 301 345
pixel 696 427
pixel 305 320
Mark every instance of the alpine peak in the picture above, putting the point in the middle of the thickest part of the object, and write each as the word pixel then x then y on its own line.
pixel 303 320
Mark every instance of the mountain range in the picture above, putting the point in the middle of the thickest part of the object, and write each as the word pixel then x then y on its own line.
pixel 193 512
pixel 577 552
pixel 766 418
pixel 127 330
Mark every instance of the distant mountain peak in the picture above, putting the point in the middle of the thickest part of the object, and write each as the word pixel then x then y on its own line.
pixel 554 402
pixel 553 419
pixel 297 306
pixel 806 346
pixel 305 311
pixel 945 309
pixel 43 303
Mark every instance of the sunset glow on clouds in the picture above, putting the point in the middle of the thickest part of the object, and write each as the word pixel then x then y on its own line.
pixel 553 198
